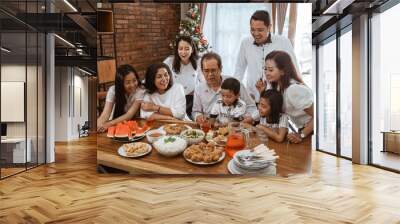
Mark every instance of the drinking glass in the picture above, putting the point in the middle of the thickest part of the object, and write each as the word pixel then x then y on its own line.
pixel 261 136
pixel 205 126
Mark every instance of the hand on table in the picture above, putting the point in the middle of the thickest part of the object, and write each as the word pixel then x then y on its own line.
pixel 103 127
pixel 294 138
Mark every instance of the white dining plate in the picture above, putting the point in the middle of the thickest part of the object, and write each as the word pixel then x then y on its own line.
pixel 121 151
pixel 133 139
pixel 222 157
pixel 268 171
pixel 162 128
pixel 248 164
pixel 232 168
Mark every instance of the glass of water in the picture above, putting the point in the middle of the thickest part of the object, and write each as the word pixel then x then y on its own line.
pixel 262 137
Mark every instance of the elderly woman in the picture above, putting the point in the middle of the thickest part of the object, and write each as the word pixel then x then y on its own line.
pixel 164 99
pixel 298 99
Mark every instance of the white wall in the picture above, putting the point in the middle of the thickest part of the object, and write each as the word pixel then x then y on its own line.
pixel 16 73
pixel 61 103
pixel 34 125
pixel 71 102
pixel 50 98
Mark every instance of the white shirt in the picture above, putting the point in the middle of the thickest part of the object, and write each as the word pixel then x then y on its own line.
pixel 283 122
pixel 130 99
pixel 296 98
pixel 174 99
pixel 205 98
pixel 225 114
pixel 252 58
pixel 188 77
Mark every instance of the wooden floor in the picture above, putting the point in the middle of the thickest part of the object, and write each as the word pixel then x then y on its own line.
pixel 386 159
pixel 5 172
pixel 70 191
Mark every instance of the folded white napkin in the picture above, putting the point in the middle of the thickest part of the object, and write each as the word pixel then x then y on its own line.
pixel 264 152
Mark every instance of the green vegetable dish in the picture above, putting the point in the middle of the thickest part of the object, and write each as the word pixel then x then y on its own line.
pixel 169 139
pixel 193 134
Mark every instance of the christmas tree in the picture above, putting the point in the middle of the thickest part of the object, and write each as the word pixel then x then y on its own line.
pixel 191 27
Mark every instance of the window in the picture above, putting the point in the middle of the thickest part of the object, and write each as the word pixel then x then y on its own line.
pixel 327 97
pixel 385 84
pixel 226 24
pixel 22 66
pixel 302 42
pixel 346 94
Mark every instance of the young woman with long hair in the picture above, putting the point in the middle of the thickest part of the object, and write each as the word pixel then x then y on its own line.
pixel 185 68
pixel 123 99
pixel 298 99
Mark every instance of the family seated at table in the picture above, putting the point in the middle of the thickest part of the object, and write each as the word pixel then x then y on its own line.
pixel 218 98
pixel 185 87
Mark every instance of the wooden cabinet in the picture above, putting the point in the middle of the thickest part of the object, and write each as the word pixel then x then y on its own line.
pixel 105 21
pixel 106 70
pixel 391 141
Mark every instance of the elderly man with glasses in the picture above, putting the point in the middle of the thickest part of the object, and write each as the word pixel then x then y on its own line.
pixel 207 93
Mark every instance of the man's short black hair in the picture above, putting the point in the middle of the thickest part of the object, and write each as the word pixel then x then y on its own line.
pixel 262 15
pixel 231 84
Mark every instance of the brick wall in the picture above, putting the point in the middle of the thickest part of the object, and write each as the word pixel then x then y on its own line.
pixel 143 32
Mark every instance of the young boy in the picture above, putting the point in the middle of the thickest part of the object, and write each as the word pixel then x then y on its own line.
pixel 229 107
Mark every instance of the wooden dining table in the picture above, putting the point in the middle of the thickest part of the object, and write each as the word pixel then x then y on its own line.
pixel 293 158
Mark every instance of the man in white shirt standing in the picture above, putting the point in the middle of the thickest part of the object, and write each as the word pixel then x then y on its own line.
pixel 255 48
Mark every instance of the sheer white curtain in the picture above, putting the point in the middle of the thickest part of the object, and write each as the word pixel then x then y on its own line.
pixel 302 41
pixel 226 24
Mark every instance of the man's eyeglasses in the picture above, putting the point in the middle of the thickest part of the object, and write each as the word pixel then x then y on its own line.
pixel 210 71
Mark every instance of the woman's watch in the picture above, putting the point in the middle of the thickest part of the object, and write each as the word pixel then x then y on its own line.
pixel 302 135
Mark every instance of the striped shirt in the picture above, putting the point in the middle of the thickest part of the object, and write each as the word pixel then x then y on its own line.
pixel 283 122
pixel 225 114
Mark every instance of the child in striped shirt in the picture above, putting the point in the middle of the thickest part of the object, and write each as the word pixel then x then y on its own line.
pixel 273 121
pixel 229 107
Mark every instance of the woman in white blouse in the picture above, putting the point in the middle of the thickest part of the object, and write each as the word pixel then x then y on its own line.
pixel 123 99
pixel 184 65
pixel 298 99
pixel 164 98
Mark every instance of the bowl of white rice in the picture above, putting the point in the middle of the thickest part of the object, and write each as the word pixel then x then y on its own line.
pixel 170 145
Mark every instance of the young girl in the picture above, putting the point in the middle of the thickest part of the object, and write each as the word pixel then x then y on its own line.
pixel 123 99
pixel 229 107
pixel 184 65
pixel 273 121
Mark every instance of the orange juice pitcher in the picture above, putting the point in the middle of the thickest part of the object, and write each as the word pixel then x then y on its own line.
pixel 237 138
